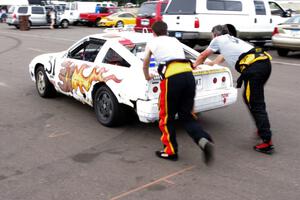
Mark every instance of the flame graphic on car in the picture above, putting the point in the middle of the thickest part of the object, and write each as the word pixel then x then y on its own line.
pixel 75 78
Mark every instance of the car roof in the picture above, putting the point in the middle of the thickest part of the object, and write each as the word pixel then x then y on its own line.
pixel 114 35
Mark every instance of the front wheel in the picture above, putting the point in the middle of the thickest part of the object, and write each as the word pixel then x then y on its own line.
pixel 64 24
pixel 97 23
pixel 107 107
pixel 43 85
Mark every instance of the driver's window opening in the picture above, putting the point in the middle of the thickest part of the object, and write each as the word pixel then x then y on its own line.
pixel 87 51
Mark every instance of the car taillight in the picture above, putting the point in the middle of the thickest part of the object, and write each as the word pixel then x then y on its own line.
pixel 215 80
pixel 196 22
pixel 14 16
pixel 155 89
pixel 223 79
pixel 275 31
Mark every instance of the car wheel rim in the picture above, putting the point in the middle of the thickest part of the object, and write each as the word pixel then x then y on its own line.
pixel 119 24
pixel 104 107
pixel 41 82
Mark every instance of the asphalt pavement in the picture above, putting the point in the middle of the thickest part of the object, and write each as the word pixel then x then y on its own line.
pixel 54 149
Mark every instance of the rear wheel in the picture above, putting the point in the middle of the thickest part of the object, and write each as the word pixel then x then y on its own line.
pixel 43 85
pixel 119 24
pixel 282 52
pixel 107 108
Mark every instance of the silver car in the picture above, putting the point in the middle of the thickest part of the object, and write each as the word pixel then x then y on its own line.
pixel 37 16
pixel 286 36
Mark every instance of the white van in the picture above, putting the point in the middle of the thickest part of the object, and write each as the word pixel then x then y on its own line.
pixel 192 20
pixel 73 9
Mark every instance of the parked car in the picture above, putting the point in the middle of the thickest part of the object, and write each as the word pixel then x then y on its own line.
pixel 191 21
pixel 286 36
pixel 119 19
pixel 38 16
pixel 105 71
pixel 93 19
pixel 148 13
pixel 130 5
pixel 74 9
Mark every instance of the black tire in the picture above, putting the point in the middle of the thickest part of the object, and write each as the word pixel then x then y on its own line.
pixel 43 85
pixel 107 108
pixel 97 22
pixel 119 24
pixel 64 24
pixel 282 52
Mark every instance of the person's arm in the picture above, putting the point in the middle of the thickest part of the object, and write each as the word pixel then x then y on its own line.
pixel 203 55
pixel 146 65
pixel 218 60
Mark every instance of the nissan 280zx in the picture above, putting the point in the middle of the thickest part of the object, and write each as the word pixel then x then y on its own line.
pixel 105 71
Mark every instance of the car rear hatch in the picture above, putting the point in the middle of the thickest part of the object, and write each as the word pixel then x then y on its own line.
pixel 290 30
pixel 207 80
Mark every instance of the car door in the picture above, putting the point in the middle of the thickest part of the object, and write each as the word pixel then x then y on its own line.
pixel 262 19
pixel 38 15
pixel 278 14
pixel 77 71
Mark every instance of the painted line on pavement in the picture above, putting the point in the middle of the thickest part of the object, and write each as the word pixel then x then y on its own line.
pixel 285 63
pixel 54 135
pixel 152 183
pixel 38 50
pixel 3 84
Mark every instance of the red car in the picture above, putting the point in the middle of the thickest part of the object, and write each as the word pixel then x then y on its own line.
pixel 92 19
pixel 148 13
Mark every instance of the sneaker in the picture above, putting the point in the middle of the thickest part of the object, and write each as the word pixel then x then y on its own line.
pixel 208 150
pixel 265 147
pixel 163 155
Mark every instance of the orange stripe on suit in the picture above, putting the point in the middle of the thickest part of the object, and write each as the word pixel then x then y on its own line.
pixel 163 118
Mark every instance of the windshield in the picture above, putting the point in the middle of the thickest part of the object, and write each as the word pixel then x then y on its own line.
pixel 292 20
pixel 147 9
pixel 295 6
pixel 11 10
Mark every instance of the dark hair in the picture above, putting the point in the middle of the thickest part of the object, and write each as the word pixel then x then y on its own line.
pixel 160 28
pixel 220 30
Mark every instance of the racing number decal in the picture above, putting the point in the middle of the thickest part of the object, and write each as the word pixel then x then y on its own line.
pixel 51 71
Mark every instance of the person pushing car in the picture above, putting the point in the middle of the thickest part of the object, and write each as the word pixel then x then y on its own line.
pixel 177 93
pixel 255 68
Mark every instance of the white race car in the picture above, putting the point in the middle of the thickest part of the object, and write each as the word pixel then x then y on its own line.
pixel 105 71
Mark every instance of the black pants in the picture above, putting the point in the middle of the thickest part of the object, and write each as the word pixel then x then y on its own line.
pixel 177 97
pixel 255 78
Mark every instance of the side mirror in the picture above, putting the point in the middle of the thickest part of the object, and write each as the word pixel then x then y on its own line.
pixel 287 13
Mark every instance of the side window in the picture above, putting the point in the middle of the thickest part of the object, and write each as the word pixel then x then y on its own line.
pixel 87 51
pixel 275 9
pixel 23 10
pixel 224 5
pixel 189 56
pixel 37 10
pixel 260 8
pixel 114 58
pixel 180 6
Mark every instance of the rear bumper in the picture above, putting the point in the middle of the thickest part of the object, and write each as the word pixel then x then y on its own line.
pixel 147 111
pixel 286 43
pixel 182 35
